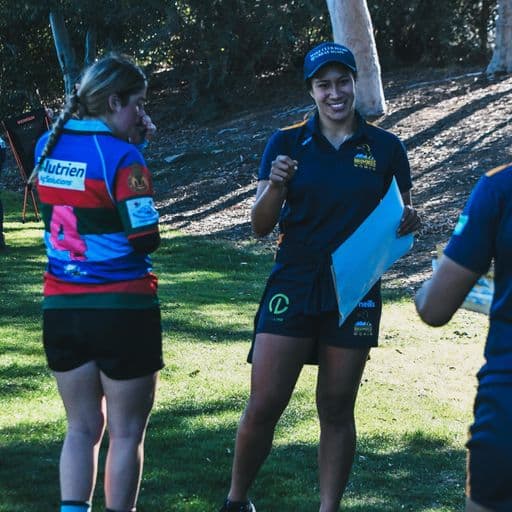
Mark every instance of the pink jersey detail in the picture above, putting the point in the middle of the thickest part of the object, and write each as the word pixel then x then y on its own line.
pixel 64 233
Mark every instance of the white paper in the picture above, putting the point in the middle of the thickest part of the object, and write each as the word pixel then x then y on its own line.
pixel 359 262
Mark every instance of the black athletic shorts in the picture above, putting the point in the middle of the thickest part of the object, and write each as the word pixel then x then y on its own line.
pixel 490 448
pixel 289 307
pixel 281 313
pixel 124 343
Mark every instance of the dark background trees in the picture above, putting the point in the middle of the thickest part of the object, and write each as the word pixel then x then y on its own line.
pixel 215 54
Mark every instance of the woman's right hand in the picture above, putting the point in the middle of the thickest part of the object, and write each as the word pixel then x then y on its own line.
pixel 282 170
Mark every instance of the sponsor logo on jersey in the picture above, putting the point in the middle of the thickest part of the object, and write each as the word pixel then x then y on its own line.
pixel 367 304
pixel 278 304
pixel 141 212
pixel 62 174
pixel 73 270
pixel 364 158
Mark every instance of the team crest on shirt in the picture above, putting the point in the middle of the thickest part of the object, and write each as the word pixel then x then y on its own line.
pixel 136 179
pixel 363 326
pixel 364 158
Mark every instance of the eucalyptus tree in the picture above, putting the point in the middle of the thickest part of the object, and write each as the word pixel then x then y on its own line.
pixel 352 27
pixel 502 57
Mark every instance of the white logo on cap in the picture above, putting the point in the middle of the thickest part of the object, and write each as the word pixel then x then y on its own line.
pixel 327 51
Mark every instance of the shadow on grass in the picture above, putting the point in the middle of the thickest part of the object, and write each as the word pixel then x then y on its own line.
pixel 21 271
pixel 29 455
pixel 188 463
pixel 206 332
pixel 20 381
pixel 27 349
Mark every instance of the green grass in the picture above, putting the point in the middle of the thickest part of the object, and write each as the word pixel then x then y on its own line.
pixel 413 410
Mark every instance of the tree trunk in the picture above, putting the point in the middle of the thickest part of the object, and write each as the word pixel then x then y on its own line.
pixel 501 61
pixel 65 52
pixel 352 27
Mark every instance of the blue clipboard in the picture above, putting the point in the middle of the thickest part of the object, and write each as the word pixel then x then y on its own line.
pixel 359 262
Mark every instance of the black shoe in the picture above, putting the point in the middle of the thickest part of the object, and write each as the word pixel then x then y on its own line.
pixel 237 506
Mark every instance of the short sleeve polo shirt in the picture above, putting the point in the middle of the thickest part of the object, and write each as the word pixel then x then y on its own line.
pixel 334 190
pixel 482 234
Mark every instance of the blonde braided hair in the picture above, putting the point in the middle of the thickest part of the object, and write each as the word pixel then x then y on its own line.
pixel 112 74
pixel 69 109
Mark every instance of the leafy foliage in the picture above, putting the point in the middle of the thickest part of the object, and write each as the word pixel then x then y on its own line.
pixel 413 32
pixel 215 53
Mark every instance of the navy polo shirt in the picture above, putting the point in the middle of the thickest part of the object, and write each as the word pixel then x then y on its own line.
pixel 484 233
pixel 333 190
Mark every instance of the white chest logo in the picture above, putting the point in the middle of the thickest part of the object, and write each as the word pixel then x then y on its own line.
pixel 63 174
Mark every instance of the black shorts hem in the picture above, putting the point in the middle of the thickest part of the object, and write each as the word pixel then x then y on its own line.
pixel 124 344
pixel 126 375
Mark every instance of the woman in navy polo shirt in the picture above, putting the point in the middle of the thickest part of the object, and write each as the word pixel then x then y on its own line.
pixel 483 234
pixel 319 180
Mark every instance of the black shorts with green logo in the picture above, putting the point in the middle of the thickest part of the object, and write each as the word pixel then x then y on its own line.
pixel 125 344
pixel 299 301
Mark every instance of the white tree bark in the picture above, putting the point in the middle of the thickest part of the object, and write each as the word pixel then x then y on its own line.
pixel 501 61
pixel 352 27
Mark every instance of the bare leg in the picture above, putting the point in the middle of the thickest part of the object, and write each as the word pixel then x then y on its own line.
pixel 82 395
pixel 339 375
pixel 471 506
pixel 276 365
pixel 129 404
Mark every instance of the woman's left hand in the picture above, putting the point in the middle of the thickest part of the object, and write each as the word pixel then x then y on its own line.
pixel 149 126
pixel 409 222
pixel 144 130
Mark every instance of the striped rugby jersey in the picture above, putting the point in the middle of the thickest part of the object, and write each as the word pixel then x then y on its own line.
pixel 96 196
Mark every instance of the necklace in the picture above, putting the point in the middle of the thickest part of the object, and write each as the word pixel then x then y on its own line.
pixel 345 138
pixel 338 142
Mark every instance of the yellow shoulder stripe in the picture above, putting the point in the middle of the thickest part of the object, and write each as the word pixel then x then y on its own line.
pixel 498 169
pixel 296 125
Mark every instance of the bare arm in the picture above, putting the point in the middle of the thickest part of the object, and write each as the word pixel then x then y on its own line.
pixel 271 194
pixel 440 297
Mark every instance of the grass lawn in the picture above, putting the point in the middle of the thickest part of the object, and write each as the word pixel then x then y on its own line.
pixel 413 410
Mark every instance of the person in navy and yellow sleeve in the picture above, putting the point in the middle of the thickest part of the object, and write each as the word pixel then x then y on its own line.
pixel 319 180
pixel 483 235
pixel 101 317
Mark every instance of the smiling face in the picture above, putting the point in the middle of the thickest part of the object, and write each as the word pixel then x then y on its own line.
pixel 333 89
pixel 125 115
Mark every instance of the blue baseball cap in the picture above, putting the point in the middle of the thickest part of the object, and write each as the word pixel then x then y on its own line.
pixel 327 53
